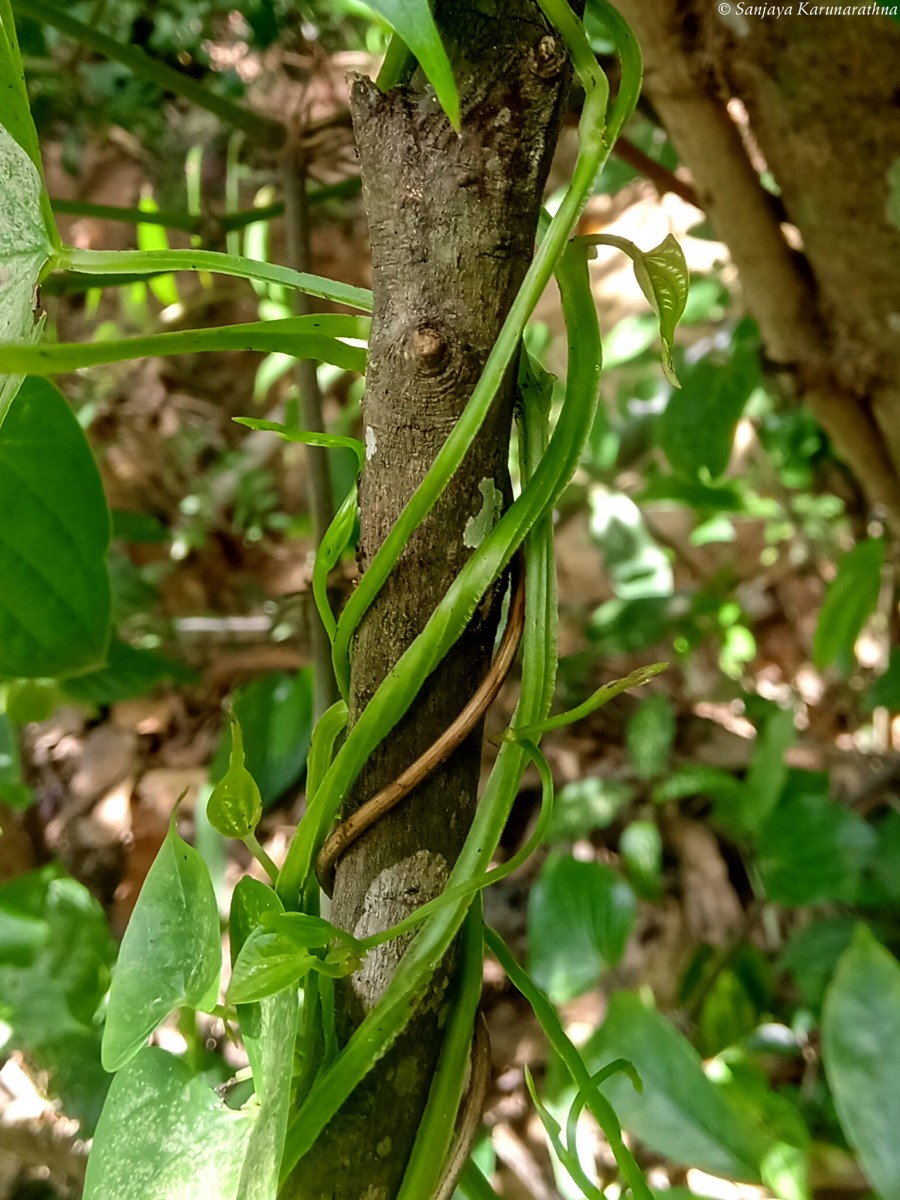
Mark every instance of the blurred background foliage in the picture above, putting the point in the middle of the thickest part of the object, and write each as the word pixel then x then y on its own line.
pixel 718 898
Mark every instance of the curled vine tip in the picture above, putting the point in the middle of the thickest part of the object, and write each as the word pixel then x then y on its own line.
pixel 603 694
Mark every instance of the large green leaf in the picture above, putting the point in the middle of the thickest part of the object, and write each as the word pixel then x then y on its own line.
pixel 54 534
pixel 849 603
pixel 165 1135
pixel 697 427
pixel 861 1049
pixel 24 248
pixel 641 854
pixel 812 848
pixel 171 952
pixel 768 770
pixel 128 671
pixel 680 1114
pixel 413 22
pixel 579 918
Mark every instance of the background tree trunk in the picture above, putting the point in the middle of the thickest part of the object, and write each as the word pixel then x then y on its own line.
pixel 452 222
pixel 828 305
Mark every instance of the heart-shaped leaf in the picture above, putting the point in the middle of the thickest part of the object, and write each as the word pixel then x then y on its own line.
pixel 166 1135
pixel 662 274
pixel 279 952
pixel 54 534
pixel 663 277
pixel 171 952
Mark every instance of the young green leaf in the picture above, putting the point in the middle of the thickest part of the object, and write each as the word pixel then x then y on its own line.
pixel 413 22
pixel 267 1029
pixel 861 1049
pixel 249 901
pixel 849 602
pixel 235 804
pixel 171 952
pixel 278 953
pixel 275 715
pixel 54 536
pixel 663 277
pixel 305 437
pixel 166 1135
pixel 579 917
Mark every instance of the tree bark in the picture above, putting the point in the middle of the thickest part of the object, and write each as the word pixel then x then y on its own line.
pixel 452 222
pixel 822 97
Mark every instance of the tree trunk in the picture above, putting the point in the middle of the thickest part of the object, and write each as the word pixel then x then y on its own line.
pixel 822 94
pixel 452 222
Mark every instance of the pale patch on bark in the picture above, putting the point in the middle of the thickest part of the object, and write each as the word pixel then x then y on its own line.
pixel 393 894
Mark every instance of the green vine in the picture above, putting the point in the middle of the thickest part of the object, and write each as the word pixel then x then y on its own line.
pixel 277 933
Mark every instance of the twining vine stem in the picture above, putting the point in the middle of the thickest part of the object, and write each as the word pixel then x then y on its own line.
pixel 439 751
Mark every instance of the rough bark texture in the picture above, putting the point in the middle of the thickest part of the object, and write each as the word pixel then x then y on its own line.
pixel 452 223
pixel 823 98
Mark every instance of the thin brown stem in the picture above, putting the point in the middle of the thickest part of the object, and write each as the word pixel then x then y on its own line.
pixel 438 752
